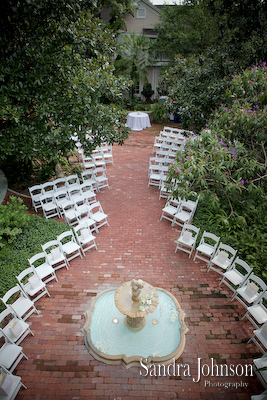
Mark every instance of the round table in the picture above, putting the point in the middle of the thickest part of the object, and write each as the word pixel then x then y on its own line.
pixel 138 120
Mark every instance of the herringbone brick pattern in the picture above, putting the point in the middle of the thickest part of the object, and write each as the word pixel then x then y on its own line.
pixel 135 245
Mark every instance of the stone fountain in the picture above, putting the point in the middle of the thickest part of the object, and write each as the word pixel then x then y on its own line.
pixel 132 322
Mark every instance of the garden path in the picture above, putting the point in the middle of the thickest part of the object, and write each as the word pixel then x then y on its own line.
pixel 135 245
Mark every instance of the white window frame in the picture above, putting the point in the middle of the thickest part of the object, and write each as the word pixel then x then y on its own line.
pixel 143 9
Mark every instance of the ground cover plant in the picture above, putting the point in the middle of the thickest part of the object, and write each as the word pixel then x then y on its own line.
pixel 31 232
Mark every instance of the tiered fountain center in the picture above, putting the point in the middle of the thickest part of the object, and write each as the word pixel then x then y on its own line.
pixel 136 299
pixel 135 322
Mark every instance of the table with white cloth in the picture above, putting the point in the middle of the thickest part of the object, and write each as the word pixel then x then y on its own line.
pixel 138 120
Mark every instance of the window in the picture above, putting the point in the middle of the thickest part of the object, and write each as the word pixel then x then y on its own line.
pixel 141 12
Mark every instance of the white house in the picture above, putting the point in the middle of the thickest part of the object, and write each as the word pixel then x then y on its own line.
pixel 142 22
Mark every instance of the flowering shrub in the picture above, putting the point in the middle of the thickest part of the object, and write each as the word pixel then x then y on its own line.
pixel 227 165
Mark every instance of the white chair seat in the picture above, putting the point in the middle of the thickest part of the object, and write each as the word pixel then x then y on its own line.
pixel 20 334
pixel 99 216
pixel 234 276
pixel 22 305
pixel 70 247
pixel 258 313
pixel 8 354
pixel 188 243
pixel 205 249
pixel 242 292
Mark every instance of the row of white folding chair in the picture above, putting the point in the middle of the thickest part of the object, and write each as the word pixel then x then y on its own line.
pixel 179 211
pixel 49 188
pixel 248 289
pixel 97 177
pixel 157 175
pixel 93 214
pixel 161 142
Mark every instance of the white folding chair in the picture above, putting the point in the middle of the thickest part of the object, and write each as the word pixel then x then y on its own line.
pixel 54 255
pixel 49 206
pixel 59 184
pixel 69 212
pixel 184 214
pixel 60 197
pixel 260 370
pixel 10 384
pixel 170 209
pixel 35 193
pixel 72 181
pixel 14 327
pixel 88 192
pixel 260 338
pixel 32 284
pixel 101 178
pixel 236 275
pixel 222 259
pixel 251 291
pixel 19 302
pixel 257 313
pixel 98 215
pixel 207 247
pixel 187 240
pixel 48 188
pixel 89 178
pixel 84 237
pixel 44 270
pixel 69 245
pixel 10 353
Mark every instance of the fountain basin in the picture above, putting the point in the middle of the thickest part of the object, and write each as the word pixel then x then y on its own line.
pixel 160 340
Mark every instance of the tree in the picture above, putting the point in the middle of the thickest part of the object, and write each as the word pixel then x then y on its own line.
pixel 195 86
pixel 133 59
pixel 187 29
pixel 242 28
pixel 228 164
pixel 57 79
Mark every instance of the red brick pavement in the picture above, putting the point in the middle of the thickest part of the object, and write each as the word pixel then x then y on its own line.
pixel 135 245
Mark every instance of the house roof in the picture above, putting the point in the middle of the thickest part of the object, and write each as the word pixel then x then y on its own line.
pixel 149 4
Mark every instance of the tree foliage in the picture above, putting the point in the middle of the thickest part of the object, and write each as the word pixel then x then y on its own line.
pixel 133 59
pixel 242 28
pixel 185 29
pixel 227 163
pixel 56 77
pixel 195 86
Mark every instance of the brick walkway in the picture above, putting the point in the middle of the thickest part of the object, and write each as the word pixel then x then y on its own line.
pixel 135 245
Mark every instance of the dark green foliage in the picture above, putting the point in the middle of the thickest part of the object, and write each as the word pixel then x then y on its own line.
pixel 13 220
pixel 159 112
pixel 14 256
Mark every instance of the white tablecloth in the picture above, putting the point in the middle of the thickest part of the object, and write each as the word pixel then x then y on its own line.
pixel 138 120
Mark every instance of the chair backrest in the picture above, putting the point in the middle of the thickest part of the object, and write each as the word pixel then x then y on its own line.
pixel 59 183
pixel 227 249
pixel 38 259
pixel 86 187
pixel 25 274
pixel 60 195
pixel 252 278
pixel 86 175
pixel 210 239
pixel 191 228
pixel 241 267
pixel 47 247
pixel 95 206
pixel 47 198
pixel 12 295
pixel 66 235
pixel 72 180
pixel 35 191
pixel 48 187
pixel 68 205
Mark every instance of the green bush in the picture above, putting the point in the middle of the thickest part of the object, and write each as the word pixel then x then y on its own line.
pixel 14 256
pixel 13 220
pixel 159 112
